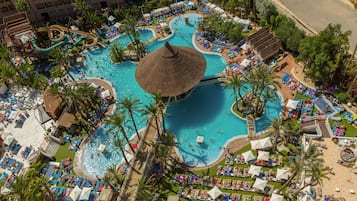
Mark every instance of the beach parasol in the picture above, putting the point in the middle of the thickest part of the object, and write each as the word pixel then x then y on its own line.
pixel 276 197
pixel 74 195
pixel 260 184
pixel 248 156
pixel 254 170
pixel 282 174
pixel 214 193
pixel 263 155
pixel 171 70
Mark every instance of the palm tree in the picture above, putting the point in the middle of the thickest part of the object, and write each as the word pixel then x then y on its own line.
pixel 116 121
pixel 261 80
pixel 151 110
pixel 116 53
pixel 18 192
pixel 118 142
pixel 25 6
pixel 277 131
pixel 310 163
pixel 113 178
pixel 131 105
pixel 81 7
pixel 236 82
pixel 147 187
pixel 39 189
pixel 162 107
pixel 58 57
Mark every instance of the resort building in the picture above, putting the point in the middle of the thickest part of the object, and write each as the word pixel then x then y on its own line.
pixel 46 9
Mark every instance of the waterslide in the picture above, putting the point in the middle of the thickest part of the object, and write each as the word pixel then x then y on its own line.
pixel 39 49
pixel 62 38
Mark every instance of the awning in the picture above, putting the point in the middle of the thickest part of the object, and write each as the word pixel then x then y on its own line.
pixel 248 156
pixel 85 194
pixel 214 192
pixel 74 195
pixel 263 155
pixel 282 174
pixel 276 197
pixel 260 184
pixel 292 104
pixel 254 170
pixel 111 18
pixel 43 117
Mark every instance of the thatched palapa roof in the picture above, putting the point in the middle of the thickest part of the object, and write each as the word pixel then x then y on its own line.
pixel 171 70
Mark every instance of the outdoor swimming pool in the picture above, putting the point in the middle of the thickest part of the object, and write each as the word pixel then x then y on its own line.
pixel 205 112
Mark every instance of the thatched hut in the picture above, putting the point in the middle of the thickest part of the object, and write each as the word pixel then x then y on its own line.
pixel 172 70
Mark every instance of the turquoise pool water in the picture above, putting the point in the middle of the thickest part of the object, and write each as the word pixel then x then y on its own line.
pixel 205 112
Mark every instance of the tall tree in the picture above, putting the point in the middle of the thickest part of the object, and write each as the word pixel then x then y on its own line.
pixel 119 143
pixel 151 110
pixel 132 106
pixel 321 54
pixel 236 82
pixel 116 121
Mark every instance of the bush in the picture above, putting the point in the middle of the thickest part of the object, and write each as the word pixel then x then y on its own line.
pixel 342 96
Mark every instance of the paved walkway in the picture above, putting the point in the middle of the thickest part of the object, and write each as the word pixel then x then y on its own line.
pixel 317 14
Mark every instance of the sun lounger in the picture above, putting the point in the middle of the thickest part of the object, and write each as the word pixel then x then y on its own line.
pixel 246 197
pixel 195 194
pixel 257 198
pixel 247 185
pixel 227 183
pixel 204 195
pixel 235 197
pixel 186 193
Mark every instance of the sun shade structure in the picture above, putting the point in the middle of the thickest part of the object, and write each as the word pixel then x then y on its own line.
pixel 260 184
pixel 74 195
pixel 264 43
pixel 171 70
pixel 263 155
pixel 254 170
pixel 261 143
pixel 276 197
pixel 282 174
pixel 248 156
pixel 214 193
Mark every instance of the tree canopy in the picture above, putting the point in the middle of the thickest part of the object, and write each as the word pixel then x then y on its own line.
pixel 322 54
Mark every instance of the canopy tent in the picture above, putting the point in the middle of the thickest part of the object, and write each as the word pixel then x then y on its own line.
pixel 254 170
pixel 245 62
pixel 292 104
pixel 111 18
pixel 241 21
pixel 105 94
pixel 260 184
pixel 74 195
pixel 180 4
pixel 147 16
pixel 85 194
pixel 276 197
pixel 8 140
pixel 261 143
pixel 282 174
pixel 245 46
pixel 218 10
pixel 160 11
pixel 224 15
pixel 214 193
pixel 163 25
pixel 212 6
pixel 74 28
pixel 248 156
pixel 263 155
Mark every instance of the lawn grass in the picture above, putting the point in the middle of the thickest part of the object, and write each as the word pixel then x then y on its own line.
pixel 212 171
pixel 63 152
pixel 301 97
pixel 351 131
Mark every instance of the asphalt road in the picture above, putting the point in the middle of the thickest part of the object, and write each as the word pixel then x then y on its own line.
pixel 317 14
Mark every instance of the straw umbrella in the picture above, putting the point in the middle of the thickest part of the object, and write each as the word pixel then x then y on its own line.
pixel 171 70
